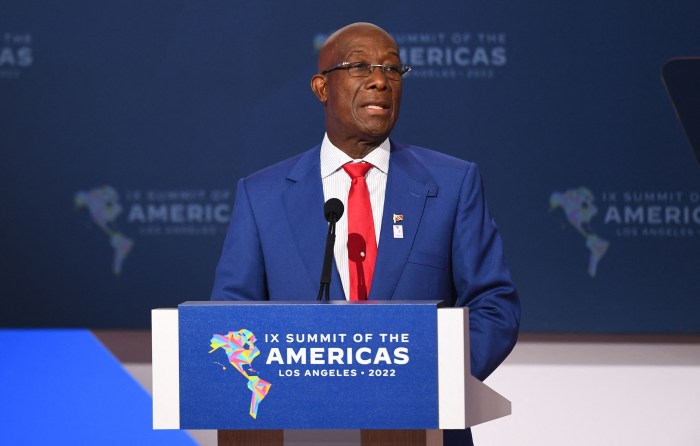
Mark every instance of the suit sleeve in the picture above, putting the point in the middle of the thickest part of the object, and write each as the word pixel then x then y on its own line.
pixel 240 274
pixel 482 279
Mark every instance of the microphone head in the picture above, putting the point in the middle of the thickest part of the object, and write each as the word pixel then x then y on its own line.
pixel 333 209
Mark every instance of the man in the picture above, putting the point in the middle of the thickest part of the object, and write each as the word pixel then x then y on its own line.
pixel 445 246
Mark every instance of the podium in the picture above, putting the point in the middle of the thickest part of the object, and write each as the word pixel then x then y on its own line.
pixel 395 372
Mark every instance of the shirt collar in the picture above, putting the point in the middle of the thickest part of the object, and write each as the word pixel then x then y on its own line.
pixel 332 158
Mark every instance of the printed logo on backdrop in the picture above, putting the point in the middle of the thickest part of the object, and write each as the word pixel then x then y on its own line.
pixel 154 213
pixel 315 355
pixel 448 54
pixel 667 215
pixel 15 54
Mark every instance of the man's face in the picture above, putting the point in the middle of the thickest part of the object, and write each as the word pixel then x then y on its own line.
pixel 361 109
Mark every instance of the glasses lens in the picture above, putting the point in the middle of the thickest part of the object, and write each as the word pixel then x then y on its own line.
pixel 393 72
pixel 360 70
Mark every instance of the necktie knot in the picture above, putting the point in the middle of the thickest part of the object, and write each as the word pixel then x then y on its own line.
pixel 356 170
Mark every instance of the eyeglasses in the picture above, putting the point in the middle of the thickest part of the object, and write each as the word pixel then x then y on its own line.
pixel 361 69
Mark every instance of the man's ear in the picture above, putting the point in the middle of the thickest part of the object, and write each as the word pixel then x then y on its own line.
pixel 318 85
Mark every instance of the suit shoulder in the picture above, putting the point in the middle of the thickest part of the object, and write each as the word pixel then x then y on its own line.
pixel 288 168
pixel 432 159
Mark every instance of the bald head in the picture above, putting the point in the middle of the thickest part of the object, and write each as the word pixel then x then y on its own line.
pixel 334 46
pixel 361 108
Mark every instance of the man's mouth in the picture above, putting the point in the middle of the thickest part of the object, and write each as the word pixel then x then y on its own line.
pixel 379 108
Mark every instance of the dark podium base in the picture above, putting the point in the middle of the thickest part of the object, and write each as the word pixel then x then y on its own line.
pixel 368 438
pixel 393 438
pixel 251 438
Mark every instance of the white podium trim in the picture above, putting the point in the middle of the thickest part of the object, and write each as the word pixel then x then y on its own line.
pixel 166 369
pixel 464 401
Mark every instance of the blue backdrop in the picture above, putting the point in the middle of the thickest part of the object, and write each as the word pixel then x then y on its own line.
pixel 125 125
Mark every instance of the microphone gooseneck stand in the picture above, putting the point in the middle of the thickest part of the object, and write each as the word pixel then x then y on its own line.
pixel 332 210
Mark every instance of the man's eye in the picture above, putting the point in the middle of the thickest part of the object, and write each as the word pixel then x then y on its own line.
pixel 392 68
pixel 360 65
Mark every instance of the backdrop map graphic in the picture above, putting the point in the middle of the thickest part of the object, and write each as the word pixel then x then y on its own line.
pixel 125 126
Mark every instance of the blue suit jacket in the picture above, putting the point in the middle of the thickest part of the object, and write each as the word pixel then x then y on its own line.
pixel 450 248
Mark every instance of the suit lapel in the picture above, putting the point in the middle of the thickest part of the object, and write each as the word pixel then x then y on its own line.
pixel 303 202
pixel 408 186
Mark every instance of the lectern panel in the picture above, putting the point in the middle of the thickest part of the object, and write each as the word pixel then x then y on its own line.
pixel 339 365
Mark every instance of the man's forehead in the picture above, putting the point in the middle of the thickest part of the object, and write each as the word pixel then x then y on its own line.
pixel 357 39
pixel 390 50
pixel 366 44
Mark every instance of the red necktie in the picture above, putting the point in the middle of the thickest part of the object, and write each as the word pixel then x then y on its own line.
pixel 362 243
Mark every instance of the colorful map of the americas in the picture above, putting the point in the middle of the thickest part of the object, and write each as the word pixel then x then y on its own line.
pixel 103 205
pixel 579 209
pixel 241 350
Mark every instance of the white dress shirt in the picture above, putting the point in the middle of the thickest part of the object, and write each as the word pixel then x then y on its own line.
pixel 336 184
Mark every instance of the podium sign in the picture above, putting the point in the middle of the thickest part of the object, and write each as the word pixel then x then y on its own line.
pixel 306 365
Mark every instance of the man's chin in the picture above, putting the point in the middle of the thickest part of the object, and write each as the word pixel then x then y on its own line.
pixel 378 133
pixel 374 139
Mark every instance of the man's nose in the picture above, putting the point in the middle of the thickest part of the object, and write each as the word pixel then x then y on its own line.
pixel 377 79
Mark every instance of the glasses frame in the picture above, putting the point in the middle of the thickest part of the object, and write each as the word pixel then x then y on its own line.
pixel 404 69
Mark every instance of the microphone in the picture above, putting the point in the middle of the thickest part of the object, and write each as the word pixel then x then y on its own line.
pixel 332 210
